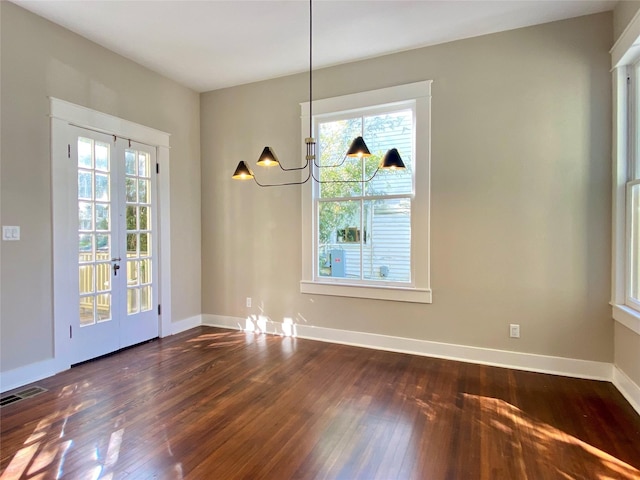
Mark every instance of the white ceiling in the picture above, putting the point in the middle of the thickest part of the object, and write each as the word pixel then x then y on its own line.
pixel 211 44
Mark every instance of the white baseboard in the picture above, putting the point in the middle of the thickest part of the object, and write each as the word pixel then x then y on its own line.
pixel 37 371
pixel 485 356
pixel 186 324
pixel 627 387
pixel 235 323
pixel 500 358
pixel 28 374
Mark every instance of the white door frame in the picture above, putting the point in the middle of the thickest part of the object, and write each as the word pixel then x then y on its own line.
pixel 63 114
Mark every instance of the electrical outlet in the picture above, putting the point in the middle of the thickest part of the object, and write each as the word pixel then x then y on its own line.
pixel 514 330
pixel 10 233
pixel 248 301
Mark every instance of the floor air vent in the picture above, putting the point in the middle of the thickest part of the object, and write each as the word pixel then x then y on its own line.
pixel 16 397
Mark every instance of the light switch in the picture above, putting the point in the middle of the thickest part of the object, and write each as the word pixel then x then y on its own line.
pixel 10 233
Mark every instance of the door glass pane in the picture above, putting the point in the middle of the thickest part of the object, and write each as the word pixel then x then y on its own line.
pixel 85 159
pixel 102 156
pixel 132 273
pixel 143 191
pixel 85 216
pixel 103 247
pixel 102 187
pixel 103 307
pixel 102 217
pixel 145 298
pixel 145 271
pixel 144 219
pixel 132 245
pixel 86 279
pixel 132 189
pixel 130 162
pixel 133 304
pixel 85 185
pixel 85 248
pixel 145 244
pixel 103 277
pixel 86 311
pixel 143 165
pixel 132 217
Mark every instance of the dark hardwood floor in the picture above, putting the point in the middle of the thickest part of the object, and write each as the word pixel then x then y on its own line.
pixel 220 404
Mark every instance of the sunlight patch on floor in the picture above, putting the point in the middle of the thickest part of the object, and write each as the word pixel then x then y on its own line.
pixel 537 437
pixel 45 449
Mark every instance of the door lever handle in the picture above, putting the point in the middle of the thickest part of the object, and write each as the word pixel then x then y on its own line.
pixel 116 267
pixel 114 259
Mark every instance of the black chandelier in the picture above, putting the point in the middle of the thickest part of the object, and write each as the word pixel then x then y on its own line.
pixel 358 149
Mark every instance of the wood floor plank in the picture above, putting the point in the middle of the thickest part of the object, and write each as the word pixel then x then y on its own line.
pixel 220 404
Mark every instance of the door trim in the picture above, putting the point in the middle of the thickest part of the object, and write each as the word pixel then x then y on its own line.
pixel 63 114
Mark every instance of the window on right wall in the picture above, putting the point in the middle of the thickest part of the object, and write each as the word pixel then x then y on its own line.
pixel 625 57
pixel 366 231
pixel 632 192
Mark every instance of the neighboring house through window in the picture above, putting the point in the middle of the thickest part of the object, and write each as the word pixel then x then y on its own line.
pixel 366 231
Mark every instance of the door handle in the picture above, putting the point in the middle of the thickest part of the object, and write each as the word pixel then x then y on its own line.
pixel 114 259
pixel 116 267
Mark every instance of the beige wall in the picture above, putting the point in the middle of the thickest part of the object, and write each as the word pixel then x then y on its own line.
pixel 40 59
pixel 627 352
pixel 623 13
pixel 521 195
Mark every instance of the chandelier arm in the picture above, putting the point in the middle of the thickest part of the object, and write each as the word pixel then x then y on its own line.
pixel 283 184
pixel 346 181
pixel 294 168
pixel 330 166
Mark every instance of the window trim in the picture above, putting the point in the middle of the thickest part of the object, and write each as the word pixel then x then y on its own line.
pixel 624 54
pixel 419 290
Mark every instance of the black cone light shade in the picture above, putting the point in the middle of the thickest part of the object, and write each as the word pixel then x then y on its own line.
pixel 392 160
pixel 358 148
pixel 242 172
pixel 267 158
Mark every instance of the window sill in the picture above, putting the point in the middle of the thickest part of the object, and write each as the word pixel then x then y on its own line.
pixel 397 294
pixel 628 317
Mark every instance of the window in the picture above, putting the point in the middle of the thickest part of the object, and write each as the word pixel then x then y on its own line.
pixel 626 173
pixel 632 191
pixel 632 201
pixel 362 238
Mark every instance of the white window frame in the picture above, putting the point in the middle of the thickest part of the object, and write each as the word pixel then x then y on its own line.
pixel 419 289
pixel 626 95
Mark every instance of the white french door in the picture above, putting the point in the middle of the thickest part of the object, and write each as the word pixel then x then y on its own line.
pixel 116 243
